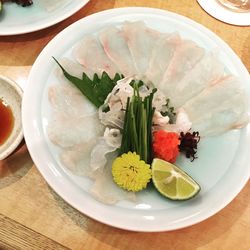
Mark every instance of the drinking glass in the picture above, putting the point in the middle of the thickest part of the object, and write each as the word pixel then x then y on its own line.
pixel 236 5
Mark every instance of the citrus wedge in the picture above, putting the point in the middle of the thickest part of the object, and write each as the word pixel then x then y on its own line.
pixel 172 182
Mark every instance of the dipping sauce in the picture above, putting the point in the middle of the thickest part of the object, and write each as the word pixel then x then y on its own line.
pixel 6 121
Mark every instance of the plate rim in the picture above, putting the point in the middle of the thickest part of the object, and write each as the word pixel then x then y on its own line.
pixel 57 19
pixel 143 10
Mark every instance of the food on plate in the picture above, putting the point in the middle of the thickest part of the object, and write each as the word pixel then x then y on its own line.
pixel 166 145
pixel 95 90
pixel 172 182
pixel 132 101
pixel 115 46
pixel 141 40
pixel 188 144
pixel 98 63
pixel 130 172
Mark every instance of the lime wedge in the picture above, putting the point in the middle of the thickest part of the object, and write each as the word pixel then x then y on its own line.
pixel 172 182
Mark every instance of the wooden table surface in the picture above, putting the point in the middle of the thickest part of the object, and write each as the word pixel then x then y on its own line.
pixel 33 216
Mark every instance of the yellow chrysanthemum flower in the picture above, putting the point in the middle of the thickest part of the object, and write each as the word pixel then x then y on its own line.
pixel 130 172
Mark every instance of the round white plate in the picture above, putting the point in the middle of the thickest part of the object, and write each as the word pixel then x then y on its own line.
pixel 222 168
pixel 15 19
pixel 215 9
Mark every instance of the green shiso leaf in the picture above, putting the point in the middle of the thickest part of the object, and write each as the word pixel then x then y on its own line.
pixel 95 90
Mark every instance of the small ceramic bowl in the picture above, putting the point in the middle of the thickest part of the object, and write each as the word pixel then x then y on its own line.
pixel 11 94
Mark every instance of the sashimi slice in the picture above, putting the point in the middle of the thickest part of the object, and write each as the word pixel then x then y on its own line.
pixel 203 74
pixel 110 142
pixel 67 100
pixel 107 191
pixel 103 188
pixel 89 53
pixel 141 41
pixel 218 108
pixel 73 114
pixel 162 55
pixel 115 46
pixel 187 54
pixel 77 158
pixel 75 130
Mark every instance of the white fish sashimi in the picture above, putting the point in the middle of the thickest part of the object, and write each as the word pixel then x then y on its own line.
pixel 89 53
pixel 74 120
pixel 218 108
pixel 76 159
pixel 203 74
pixel 75 130
pixel 105 189
pixel 67 100
pixel 186 56
pixel 141 41
pixel 98 154
pixel 162 55
pixel 115 46
pixel 110 141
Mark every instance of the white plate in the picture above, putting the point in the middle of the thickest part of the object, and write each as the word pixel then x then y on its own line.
pixel 16 19
pixel 222 168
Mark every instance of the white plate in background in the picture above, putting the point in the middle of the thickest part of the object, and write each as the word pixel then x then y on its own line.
pixel 15 19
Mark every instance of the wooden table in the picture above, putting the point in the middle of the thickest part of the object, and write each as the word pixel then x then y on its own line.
pixel 32 216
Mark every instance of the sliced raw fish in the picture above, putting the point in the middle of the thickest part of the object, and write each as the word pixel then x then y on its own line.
pixel 187 54
pixel 77 158
pixel 141 41
pixel 98 154
pixel 110 141
pixel 104 189
pixel 162 55
pixel 89 53
pixel 75 130
pixel 203 74
pixel 115 46
pixel 107 191
pixel 67 100
pixel 218 108
pixel 73 114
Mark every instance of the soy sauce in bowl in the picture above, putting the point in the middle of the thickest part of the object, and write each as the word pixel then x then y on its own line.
pixel 6 121
pixel 11 133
